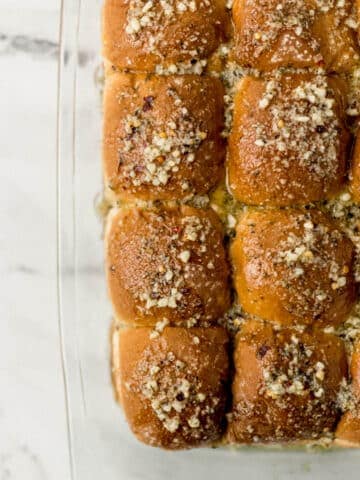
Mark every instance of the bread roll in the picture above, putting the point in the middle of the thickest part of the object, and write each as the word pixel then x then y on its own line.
pixel 355 171
pixel 166 265
pixel 141 35
pixel 286 384
pixel 355 370
pixel 296 33
pixel 162 135
pixel 348 430
pixel 288 142
pixel 172 388
pixel 293 267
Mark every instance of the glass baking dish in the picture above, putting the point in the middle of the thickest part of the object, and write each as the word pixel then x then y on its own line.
pixel 101 445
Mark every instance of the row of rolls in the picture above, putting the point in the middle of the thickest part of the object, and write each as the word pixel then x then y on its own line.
pixel 229 131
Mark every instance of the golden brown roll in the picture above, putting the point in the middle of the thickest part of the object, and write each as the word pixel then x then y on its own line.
pixel 286 384
pixel 348 430
pixel 142 35
pixel 172 388
pixel 167 265
pixel 296 33
pixel 355 171
pixel 288 142
pixel 355 370
pixel 162 135
pixel 293 267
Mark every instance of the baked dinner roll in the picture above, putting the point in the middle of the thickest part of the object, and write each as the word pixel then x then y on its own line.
pixel 348 430
pixel 172 388
pixel 286 384
pixel 142 35
pixel 288 142
pixel 355 171
pixel 162 135
pixel 355 370
pixel 166 265
pixel 296 33
pixel 293 267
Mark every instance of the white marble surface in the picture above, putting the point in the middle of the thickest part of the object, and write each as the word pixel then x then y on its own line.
pixel 33 437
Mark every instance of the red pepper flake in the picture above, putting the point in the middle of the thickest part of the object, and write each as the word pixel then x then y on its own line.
pixel 148 101
pixel 262 351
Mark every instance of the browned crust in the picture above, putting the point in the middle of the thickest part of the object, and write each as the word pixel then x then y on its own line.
pixel 355 171
pixel 293 267
pixel 275 157
pixel 347 434
pixel 180 37
pixel 286 384
pixel 172 387
pixel 267 37
pixel 348 430
pixel 167 265
pixel 162 135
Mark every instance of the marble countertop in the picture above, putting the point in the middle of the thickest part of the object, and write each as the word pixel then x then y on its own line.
pixel 33 436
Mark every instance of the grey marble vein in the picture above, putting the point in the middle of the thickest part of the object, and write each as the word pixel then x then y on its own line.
pixel 10 44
